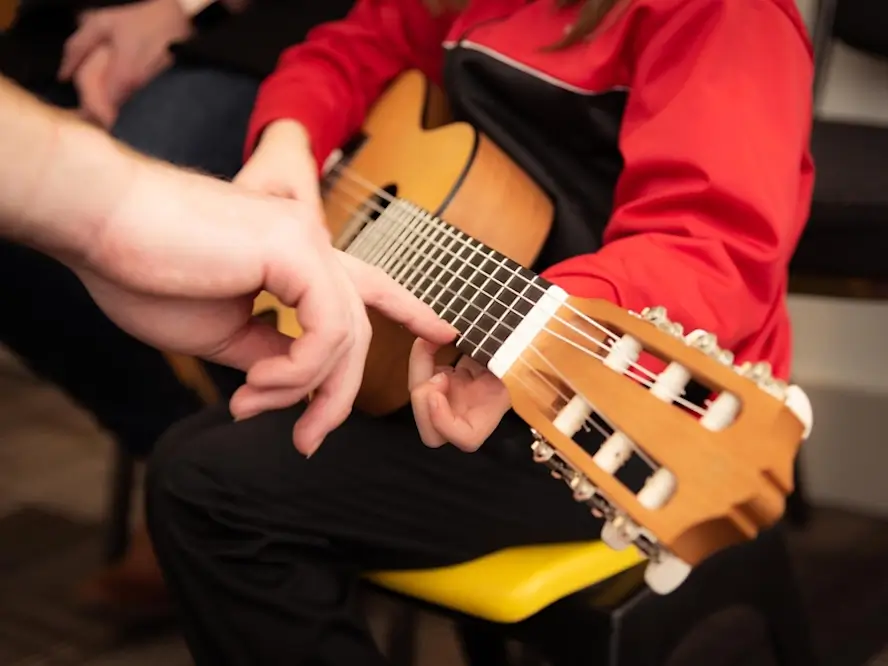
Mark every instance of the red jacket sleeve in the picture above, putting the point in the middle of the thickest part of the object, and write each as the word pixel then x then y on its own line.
pixel 329 81
pixel 717 176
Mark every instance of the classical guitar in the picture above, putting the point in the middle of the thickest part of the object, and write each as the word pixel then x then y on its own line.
pixel 719 469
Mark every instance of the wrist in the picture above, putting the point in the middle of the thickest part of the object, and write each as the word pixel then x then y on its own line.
pixel 290 131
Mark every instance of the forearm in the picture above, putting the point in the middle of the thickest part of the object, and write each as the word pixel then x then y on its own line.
pixel 59 178
pixel 194 7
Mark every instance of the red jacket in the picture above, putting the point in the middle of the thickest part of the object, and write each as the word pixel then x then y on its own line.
pixel 674 140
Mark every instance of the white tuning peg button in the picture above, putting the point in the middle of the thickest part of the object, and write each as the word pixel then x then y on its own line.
pixel 613 537
pixel 798 403
pixel 666 574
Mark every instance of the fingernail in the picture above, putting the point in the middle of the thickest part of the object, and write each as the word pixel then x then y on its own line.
pixel 437 379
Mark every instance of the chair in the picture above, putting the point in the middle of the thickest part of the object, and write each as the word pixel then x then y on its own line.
pixel 572 604
pixel 189 372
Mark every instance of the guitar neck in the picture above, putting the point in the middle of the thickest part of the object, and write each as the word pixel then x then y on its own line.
pixel 482 293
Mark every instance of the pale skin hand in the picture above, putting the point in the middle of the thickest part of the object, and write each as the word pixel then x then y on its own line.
pixel 137 37
pixel 179 268
pixel 461 405
pixel 176 259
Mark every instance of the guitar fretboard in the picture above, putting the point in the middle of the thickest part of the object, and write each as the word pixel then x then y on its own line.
pixel 482 293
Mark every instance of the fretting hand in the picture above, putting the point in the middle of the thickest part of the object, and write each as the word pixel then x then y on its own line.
pixel 461 405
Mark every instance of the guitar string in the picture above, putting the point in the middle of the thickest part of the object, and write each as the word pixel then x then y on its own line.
pixel 456 292
pixel 510 309
pixel 371 189
pixel 450 231
pixel 535 391
pixel 440 225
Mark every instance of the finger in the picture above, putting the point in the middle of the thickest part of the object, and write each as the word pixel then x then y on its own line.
pixel 79 46
pixel 380 292
pixel 247 402
pixel 421 367
pixel 462 433
pixel 91 82
pixel 471 366
pixel 333 401
pixel 256 342
pixel 420 399
pixel 336 394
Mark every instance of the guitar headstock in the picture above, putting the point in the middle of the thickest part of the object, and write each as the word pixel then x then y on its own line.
pixel 720 467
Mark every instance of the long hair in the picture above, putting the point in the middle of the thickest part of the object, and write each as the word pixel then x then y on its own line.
pixel 591 16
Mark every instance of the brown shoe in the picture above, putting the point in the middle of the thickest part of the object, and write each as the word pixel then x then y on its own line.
pixel 132 589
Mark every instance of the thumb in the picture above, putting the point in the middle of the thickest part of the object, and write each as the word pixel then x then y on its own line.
pixel 382 293
pixel 79 46
pixel 94 97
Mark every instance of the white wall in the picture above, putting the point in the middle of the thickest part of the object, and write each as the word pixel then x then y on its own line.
pixel 839 356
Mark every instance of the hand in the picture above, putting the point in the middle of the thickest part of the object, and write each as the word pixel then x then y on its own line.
pixel 138 36
pixel 91 82
pixel 180 260
pixel 461 405
pixel 283 165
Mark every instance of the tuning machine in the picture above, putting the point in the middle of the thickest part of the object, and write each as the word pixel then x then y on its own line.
pixel 658 316
pixel 664 572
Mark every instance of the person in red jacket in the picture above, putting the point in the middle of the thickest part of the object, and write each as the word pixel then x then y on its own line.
pixel 672 136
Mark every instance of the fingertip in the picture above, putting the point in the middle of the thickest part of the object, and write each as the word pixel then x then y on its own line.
pixel 306 443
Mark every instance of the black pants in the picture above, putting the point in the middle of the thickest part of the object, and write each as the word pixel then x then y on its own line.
pixel 262 548
pixel 49 319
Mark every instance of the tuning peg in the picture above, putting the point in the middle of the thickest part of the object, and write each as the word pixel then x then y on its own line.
pixel 619 533
pixel 658 317
pixel 799 404
pixel 654 314
pixel 666 573
pixel 725 357
pixel 703 340
pixel 582 487
pixel 542 450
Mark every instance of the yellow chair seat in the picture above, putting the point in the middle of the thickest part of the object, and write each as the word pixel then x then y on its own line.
pixel 513 584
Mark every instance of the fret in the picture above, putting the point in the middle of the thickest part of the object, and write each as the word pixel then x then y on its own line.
pixel 482 293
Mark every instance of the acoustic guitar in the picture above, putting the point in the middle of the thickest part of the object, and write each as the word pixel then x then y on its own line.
pixel 422 198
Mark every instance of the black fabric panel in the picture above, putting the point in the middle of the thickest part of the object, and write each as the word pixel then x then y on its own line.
pixel 567 141
pixel 863 24
pixel 847 233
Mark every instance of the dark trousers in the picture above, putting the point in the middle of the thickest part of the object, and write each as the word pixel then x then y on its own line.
pixel 262 548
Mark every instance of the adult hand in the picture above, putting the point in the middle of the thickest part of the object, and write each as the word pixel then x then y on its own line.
pixel 138 36
pixel 181 259
pixel 462 405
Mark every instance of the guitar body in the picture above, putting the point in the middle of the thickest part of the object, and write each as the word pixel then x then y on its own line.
pixel 447 168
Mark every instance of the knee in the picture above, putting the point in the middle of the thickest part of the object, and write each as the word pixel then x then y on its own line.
pixel 178 480
pixel 192 117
